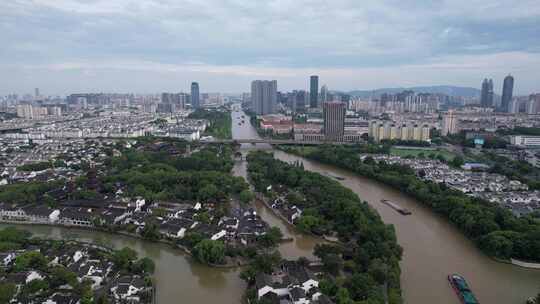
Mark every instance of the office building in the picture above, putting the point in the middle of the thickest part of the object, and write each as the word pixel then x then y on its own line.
pixel 534 104
pixel 334 120
pixel 449 125
pixel 314 91
pixel 297 100
pixel 324 94
pixel 486 98
pixel 195 97
pixel 508 89
pixel 36 91
pixel 264 96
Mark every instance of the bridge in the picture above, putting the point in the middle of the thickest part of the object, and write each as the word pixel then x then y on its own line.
pixel 275 142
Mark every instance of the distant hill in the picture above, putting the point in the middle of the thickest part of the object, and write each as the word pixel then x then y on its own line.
pixel 442 89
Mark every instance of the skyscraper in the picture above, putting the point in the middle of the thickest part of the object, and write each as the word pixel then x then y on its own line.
pixel 36 91
pixel 324 94
pixel 334 120
pixel 486 98
pixel 508 90
pixel 264 96
pixel 314 91
pixel 195 97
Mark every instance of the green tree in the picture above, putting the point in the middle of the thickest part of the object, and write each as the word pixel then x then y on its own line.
pixel 30 260
pixel 332 263
pixel 124 257
pixel 271 238
pixel 246 196
pixel 150 231
pixel 308 223
pixel 343 297
pixel 60 275
pixel 14 235
pixel 7 291
pixel 497 244
pixel 209 252
pixel 144 266
pixel 457 162
pixel 208 192
pixel 34 286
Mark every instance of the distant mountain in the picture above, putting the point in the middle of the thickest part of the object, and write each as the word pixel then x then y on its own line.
pixel 442 89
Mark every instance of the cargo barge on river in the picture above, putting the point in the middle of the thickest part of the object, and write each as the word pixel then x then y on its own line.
pixel 462 289
pixel 396 207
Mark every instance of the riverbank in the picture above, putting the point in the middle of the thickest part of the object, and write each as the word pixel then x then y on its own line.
pixel 317 204
pixel 495 230
pixel 231 263
pixel 263 199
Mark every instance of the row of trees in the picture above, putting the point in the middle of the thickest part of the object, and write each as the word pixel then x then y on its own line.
pixel 329 207
pixel 495 229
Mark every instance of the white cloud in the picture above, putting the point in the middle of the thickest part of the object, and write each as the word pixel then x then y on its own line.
pixel 461 40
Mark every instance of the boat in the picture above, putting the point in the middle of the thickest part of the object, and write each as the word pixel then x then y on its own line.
pixel 462 289
pixel 335 176
pixel 396 207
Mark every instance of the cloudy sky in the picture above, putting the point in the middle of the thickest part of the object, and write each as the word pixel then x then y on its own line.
pixel 64 46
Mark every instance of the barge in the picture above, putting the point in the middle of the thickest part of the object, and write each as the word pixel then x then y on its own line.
pixel 462 289
pixel 396 207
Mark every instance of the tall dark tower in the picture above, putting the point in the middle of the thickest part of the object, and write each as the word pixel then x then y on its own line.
pixel 195 102
pixel 508 90
pixel 334 120
pixel 314 91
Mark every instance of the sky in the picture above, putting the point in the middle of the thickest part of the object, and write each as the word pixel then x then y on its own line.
pixel 150 46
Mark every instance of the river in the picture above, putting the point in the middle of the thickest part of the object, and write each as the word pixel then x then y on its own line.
pixel 433 248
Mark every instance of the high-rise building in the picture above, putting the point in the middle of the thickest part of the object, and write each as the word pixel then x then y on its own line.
pixel 334 120
pixel 314 91
pixel 486 98
pixel 534 99
pixel 449 125
pixel 264 96
pixel 324 94
pixel 36 91
pixel 298 100
pixel 195 97
pixel 508 89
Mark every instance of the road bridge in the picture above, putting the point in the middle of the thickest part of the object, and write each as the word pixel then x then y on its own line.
pixel 275 142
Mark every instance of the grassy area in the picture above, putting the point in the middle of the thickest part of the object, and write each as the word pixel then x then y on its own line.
pixel 403 152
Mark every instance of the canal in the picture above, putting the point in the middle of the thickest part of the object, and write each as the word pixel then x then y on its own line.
pixel 433 248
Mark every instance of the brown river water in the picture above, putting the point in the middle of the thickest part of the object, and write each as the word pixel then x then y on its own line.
pixel 433 248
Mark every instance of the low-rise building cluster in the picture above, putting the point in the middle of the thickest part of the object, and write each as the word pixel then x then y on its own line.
pixel 115 125
pixel 68 265
pixel 44 160
pixel 496 188
pixel 291 283
pixel 174 221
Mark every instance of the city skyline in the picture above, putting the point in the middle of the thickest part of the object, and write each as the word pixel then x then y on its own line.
pixel 150 46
